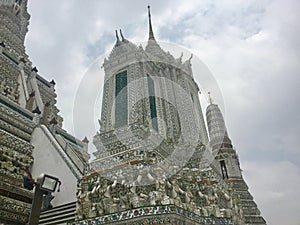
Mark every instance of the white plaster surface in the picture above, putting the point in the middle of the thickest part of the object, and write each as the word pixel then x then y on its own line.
pixel 47 160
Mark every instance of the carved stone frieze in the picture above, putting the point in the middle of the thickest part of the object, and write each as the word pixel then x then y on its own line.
pixel 16 143
pixel 197 191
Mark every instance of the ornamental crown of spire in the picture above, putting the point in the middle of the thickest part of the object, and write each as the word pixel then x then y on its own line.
pixel 125 52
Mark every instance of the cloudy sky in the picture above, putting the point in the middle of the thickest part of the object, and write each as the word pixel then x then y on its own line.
pixel 252 48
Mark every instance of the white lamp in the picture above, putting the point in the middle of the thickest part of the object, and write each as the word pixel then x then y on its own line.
pixel 48 183
pixel 45 184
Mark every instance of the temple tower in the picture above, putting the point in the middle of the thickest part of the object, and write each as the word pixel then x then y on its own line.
pixel 14 25
pixel 221 144
pixel 149 93
pixel 16 123
pixel 32 140
pixel 229 166
pixel 14 62
pixel 150 107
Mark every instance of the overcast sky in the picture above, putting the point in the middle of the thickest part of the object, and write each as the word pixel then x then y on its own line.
pixel 252 48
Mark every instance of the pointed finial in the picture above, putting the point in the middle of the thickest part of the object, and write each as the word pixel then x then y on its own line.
pixel 122 35
pixel 53 121
pixel 22 60
pixel 34 69
pixel 209 98
pixel 151 35
pixel 180 58
pixel 37 111
pixel 52 82
pixel 117 36
pixel 32 94
pixel 85 140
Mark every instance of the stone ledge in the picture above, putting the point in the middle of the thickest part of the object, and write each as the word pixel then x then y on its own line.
pixel 167 214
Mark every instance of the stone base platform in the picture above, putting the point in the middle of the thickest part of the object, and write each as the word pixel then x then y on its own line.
pixel 158 215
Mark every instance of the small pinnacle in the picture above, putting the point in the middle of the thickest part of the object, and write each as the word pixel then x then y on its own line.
pixel 209 98
pixel 117 36
pixel 180 58
pixel 122 35
pixel 32 94
pixel 22 60
pixel 37 110
pixel 85 140
pixel 34 69
pixel 53 121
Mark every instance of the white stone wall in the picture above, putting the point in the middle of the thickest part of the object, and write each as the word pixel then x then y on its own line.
pixel 48 160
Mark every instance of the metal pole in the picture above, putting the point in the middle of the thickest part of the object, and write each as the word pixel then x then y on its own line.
pixel 36 205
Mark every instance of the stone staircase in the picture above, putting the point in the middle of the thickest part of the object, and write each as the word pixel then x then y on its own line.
pixel 58 215
pixel 251 213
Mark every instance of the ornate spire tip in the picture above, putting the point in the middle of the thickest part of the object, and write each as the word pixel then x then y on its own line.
pixel 209 98
pixel 122 35
pixel 151 35
pixel 117 36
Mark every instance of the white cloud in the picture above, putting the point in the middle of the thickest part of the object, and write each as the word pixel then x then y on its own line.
pixel 275 190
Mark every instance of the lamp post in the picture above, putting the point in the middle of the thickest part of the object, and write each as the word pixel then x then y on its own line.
pixel 45 184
